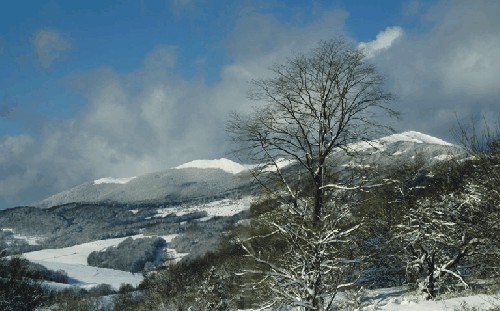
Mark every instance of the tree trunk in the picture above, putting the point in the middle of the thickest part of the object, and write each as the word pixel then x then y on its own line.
pixel 318 194
pixel 431 282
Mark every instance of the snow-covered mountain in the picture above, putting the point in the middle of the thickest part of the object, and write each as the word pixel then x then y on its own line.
pixel 202 179
pixel 211 179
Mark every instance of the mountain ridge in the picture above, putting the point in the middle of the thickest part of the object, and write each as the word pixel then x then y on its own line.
pixel 223 177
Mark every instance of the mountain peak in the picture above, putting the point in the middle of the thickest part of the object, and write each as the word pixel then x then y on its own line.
pixel 416 137
pixel 222 164
pixel 111 180
pixel 408 136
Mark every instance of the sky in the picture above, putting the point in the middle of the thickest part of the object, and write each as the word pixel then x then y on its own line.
pixel 118 88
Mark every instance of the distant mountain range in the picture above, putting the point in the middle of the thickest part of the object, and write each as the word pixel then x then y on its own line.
pixel 215 179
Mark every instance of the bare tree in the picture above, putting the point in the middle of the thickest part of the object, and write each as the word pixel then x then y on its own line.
pixel 313 105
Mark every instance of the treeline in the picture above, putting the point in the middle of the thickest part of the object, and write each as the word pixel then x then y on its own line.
pixel 134 255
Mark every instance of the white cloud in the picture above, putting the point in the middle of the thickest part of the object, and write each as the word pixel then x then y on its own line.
pixel 383 41
pixel 49 46
pixel 448 66
pixel 151 119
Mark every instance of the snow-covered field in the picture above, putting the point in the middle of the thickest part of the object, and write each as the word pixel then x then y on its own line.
pixel 225 207
pixel 73 260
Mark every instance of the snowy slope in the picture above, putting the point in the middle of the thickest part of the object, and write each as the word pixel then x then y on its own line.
pixel 190 182
pixel 73 260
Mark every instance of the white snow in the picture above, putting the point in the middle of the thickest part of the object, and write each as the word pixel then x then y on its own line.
pixel 399 299
pixel 73 260
pixel 112 180
pixel 222 164
pixel 225 207
pixel 409 136
pixel 88 277
pixel 417 137
pixel 392 299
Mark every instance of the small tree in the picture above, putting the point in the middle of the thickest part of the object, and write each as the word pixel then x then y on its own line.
pixel 313 105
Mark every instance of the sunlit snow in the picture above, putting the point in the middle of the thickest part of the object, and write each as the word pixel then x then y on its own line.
pixel 111 180
pixel 416 137
pixel 222 163
pixel 410 136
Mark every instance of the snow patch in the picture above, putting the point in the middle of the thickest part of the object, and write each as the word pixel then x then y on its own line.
pixel 225 207
pixel 111 180
pixel 222 164
pixel 87 277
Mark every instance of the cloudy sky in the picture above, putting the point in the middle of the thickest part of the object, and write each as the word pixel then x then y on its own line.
pixel 91 89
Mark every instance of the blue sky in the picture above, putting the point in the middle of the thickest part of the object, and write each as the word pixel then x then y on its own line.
pixel 118 88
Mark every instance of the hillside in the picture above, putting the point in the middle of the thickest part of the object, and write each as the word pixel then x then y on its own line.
pixel 210 179
pixel 192 204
